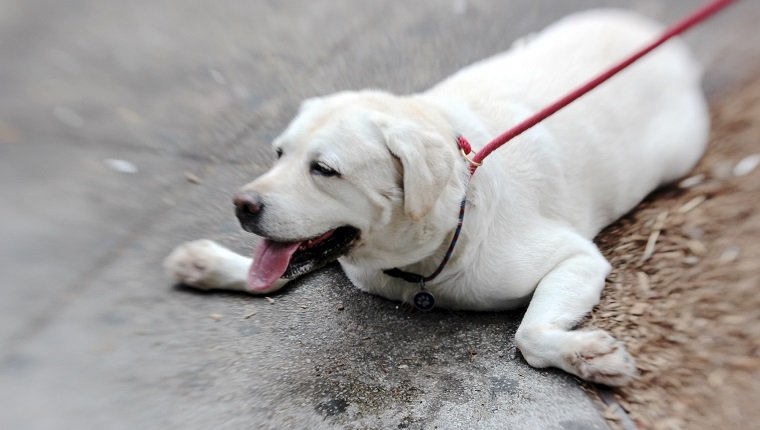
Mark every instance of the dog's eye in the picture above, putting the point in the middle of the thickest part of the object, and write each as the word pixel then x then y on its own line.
pixel 278 152
pixel 319 168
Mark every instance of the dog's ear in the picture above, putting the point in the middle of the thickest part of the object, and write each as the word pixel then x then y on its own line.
pixel 426 161
pixel 310 103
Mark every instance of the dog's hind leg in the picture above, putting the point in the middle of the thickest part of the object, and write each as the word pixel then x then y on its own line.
pixel 206 265
pixel 563 297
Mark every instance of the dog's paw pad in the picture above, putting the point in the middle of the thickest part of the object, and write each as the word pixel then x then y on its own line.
pixel 192 263
pixel 602 359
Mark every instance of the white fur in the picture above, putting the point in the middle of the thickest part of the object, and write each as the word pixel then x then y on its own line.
pixel 533 208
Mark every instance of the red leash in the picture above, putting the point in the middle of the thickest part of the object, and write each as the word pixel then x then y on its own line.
pixel 698 16
pixel 423 299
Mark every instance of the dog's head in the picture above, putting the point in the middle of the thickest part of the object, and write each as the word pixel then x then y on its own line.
pixel 368 177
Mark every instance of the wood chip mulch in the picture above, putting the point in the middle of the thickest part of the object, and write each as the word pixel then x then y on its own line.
pixel 684 294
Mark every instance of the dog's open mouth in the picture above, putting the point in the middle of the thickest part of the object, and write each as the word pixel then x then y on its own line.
pixel 273 260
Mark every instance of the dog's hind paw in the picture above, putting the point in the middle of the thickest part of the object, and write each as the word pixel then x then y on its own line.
pixel 602 359
pixel 196 264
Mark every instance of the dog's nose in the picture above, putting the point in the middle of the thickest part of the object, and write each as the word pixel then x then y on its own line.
pixel 248 208
pixel 248 203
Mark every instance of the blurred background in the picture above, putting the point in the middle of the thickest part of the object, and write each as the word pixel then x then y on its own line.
pixel 124 129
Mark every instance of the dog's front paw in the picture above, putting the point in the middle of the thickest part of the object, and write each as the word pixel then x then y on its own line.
pixel 598 357
pixel 196 264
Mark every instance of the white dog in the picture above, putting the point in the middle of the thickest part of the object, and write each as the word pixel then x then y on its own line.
pixel 375 181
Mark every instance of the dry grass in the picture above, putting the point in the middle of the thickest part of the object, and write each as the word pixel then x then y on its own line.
pixel 684 294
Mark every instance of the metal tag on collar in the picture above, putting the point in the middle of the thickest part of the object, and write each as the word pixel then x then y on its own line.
pixel 423 299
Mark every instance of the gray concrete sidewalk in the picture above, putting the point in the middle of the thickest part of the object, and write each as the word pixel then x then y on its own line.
pixel 93 335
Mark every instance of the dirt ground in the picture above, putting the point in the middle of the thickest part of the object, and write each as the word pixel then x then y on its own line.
pixel 684 294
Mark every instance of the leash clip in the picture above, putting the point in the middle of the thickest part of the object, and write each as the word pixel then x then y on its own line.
pixel 465 148
pixel 472 162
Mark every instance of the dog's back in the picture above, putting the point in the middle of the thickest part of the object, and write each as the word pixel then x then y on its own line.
pixel 645 127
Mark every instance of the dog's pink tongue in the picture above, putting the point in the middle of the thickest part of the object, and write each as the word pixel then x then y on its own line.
pixel 270 260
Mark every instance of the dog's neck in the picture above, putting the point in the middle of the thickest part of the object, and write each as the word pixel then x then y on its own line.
pixel 449 118
pixel 446 117
pixel 457 117
pixel 453 115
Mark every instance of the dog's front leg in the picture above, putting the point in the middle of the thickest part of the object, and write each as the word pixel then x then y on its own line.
pixel 563 297
pixel 206 265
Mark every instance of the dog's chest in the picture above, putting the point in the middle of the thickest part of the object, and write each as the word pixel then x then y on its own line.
pixel 465 291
